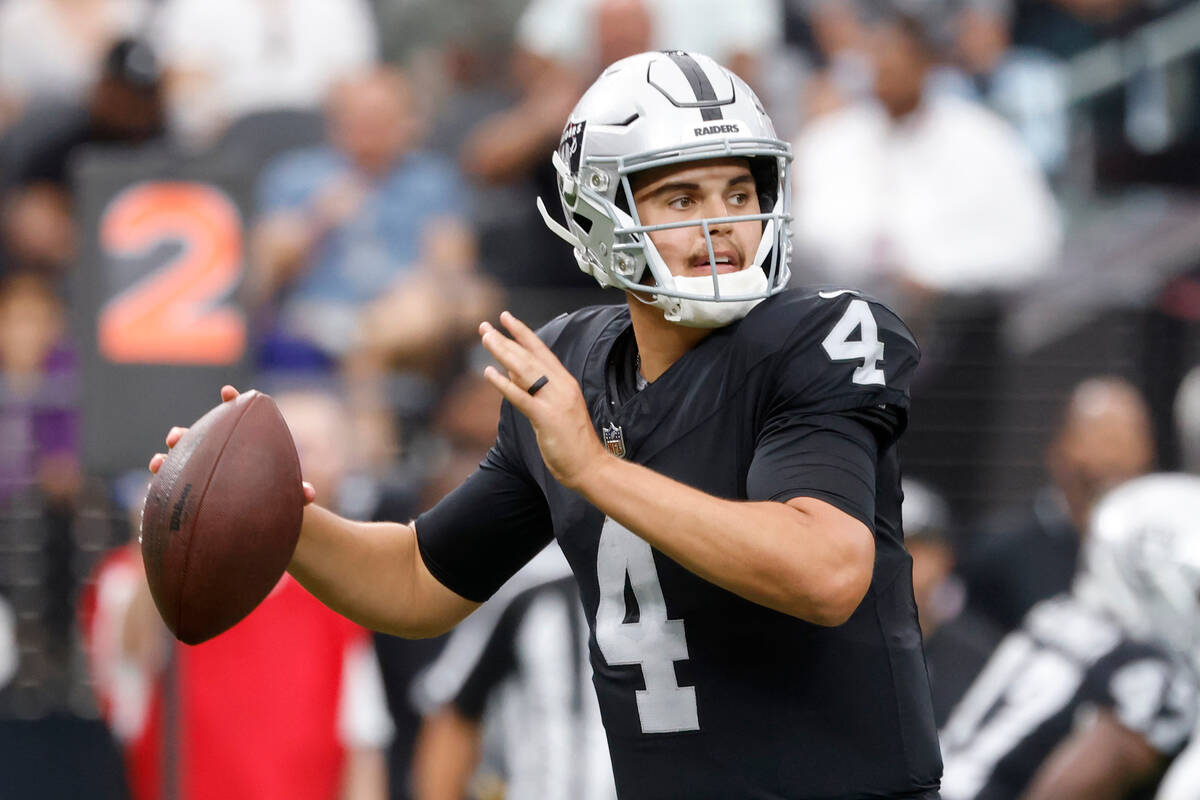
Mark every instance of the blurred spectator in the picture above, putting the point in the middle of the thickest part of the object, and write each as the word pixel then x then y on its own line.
pixel 958 641
pixel 827 51
pixel 408 29
pixel 228 58
pixel 122 108
pixel 39 419
pixel 919 193
pixel 51 50
pixel 1021 557
pixel 286 705
pixel 1026 86
pixel 505 153
pixel 1187 420
pixel 570 32
pixel 1096 693
pixel 52 746
pixel 54 527
pixel 37 233
pixel 531 677
pixel 1138 126
pixel 361 242
pixel 460 433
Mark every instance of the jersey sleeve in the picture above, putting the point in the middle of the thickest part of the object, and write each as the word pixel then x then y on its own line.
pixel 844 352
pixel 837 398
pixel 1151 695
pixel 832 457
pixel 480 534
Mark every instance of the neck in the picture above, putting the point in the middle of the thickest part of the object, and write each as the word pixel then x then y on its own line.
pixel 903 108
pixel 660 343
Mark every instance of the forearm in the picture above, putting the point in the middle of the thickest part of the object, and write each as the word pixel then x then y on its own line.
pixel 364 775
pixel 445 757
pixel 373 574
pixel 504 146
pixel 1102 761
pixel 770 553
pixel 281 244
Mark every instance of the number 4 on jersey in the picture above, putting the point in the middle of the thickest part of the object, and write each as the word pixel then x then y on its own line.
pixel 652 642
pixel 866 348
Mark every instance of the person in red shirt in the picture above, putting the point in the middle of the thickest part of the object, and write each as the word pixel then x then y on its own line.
pixel 287 705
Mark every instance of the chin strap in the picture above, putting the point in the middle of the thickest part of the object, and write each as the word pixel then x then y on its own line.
pixel 692 313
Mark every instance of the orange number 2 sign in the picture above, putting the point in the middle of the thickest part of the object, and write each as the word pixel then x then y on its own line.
pixel 177 314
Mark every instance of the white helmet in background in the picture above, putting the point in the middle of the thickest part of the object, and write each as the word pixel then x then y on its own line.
pixel 653 110
pixel 1142 560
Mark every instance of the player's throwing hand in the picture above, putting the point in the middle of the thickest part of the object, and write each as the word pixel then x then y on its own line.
pixel 228 393
pixel 542 389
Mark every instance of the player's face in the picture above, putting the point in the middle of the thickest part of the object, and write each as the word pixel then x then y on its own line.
pixel 684 192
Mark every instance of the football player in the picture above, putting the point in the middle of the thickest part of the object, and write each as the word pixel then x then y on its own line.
pixel 716 456
pixel 1096 693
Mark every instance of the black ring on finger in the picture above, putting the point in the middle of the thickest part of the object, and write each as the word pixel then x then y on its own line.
pixel 538 384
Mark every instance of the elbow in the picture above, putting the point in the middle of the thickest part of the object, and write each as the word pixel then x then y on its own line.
pixel 412 629
pixel 841 598
pixel 838 591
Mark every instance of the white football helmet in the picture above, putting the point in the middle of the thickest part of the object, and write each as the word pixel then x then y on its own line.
pixel 652 110
pixel 1141 559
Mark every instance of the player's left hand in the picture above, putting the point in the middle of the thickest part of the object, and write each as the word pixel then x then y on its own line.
pixel 569 444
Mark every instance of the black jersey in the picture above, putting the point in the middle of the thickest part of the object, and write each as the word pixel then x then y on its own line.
pixel 705 694
pixel 1065 661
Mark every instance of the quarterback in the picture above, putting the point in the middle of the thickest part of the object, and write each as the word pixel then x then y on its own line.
pixel 716 456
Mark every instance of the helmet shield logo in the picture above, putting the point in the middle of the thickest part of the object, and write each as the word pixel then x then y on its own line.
pixel 571 143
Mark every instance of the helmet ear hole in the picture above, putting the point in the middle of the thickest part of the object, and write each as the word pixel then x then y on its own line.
pixel 766 181
pixel 582 222
pixel 621 201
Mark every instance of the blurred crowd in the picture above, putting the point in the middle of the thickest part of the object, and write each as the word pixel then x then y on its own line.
pixel 1016 177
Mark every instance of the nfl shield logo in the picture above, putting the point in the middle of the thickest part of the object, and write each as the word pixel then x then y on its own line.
pixel 614 440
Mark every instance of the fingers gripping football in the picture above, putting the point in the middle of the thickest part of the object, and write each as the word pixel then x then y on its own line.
pixel 228 394
pixel 556 410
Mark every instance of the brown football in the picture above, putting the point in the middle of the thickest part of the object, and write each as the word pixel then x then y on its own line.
pixel 222 517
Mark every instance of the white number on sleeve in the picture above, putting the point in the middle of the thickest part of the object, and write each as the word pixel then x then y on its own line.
pixel 866 348
pixel 653 642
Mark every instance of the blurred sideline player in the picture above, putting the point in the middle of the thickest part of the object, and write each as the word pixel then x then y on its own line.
pixel 716 457
pixel 287 705
pixel 1096 693
pixel 529 682
pixel 957 641
pixel 1182 781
